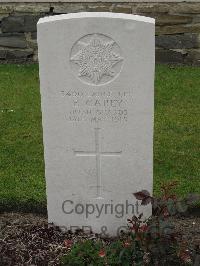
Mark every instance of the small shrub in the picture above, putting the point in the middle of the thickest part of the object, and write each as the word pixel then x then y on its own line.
pixel 156 236
pixel 149 242
pixel 84 253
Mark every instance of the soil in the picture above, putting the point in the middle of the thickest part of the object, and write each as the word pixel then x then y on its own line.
pixel 27 239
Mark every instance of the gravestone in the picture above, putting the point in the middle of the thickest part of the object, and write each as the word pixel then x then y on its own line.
pixel 97 80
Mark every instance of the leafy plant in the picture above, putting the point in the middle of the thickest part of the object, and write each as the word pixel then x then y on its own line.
pixel 151 241
pixel 156 235
pixel 84 253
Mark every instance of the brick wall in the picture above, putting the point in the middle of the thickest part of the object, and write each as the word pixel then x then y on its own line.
pixel 177 27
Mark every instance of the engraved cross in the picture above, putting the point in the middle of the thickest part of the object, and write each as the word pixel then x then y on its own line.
pixel 98 154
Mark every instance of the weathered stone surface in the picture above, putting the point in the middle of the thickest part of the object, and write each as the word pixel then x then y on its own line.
pixel 189 8
pixel 122 9
pixel 152 8
pixel 169 56
pixel 32 43
pixel 99 8
pixel 19 54
pixel 12 24
pixel 191 28
pixel 3 16
pixel 181 41
pixel 30 23
pixel 25 23
pixel 32 8
pixel 6 8
pixel 13 40
pixel 198 39
pixel 35 56
pixel 10 54
pixel 196 19
pixel 60 8
pixel 162 20
pixel 2 54
pixel 34 35
pixel 172 19
pixel 193 57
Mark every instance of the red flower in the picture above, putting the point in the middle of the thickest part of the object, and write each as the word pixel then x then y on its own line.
pixel 143 228
pixel 165 212
pixel 127 244
pixel 68 243
pixel 185 256
pixel 133 227
pixel 102 253
pixel 139 238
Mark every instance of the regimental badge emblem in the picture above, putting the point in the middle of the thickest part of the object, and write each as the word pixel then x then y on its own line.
pixel 96 59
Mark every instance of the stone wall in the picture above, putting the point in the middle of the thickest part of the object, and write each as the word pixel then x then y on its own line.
pixel 177 27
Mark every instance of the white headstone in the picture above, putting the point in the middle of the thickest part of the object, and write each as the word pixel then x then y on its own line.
pixel 97 80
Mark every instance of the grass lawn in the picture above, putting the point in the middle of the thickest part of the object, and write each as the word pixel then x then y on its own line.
pixel 176 138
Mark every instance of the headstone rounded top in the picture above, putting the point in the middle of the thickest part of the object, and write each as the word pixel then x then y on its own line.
pixel 96 15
